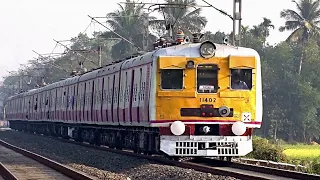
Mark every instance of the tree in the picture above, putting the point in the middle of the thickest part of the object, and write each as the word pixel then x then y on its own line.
pixel 131 22
pixel 183 17
pixel 304 22
pixel 216 37
pixel 262 30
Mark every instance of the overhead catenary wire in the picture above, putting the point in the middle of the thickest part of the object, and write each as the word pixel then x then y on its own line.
pixel 138 48
pixel 76 52
pixel 52 63
pixel 87 27
pixel 221 11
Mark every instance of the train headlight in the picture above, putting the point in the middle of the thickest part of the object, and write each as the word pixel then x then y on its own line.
pixel 224 111
pixel 207 49
pixel 177 128
pixel 206 129
pixel 238 128
pixel 190 64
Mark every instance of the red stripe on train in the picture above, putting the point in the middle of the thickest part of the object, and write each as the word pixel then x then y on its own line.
pixel 199 120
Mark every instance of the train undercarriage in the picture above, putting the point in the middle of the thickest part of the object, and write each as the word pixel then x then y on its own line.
pixel 144 140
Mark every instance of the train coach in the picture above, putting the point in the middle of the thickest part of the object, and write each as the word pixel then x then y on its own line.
pixel 184 99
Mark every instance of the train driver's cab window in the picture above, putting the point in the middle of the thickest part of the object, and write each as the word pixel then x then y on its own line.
pixel 241 79
pixel 171 79
pixel 207 78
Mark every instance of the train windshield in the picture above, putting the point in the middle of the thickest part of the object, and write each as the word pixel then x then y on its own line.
pixel 207 78
pixel 241 79
pixel 172 79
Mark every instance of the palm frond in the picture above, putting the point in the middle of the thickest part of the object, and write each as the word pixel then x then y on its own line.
pixel 315 15
pixel 295 35
pixel 316 22
pixel 290 25
pixel 114 24
pixel 298 6
pixel 289 14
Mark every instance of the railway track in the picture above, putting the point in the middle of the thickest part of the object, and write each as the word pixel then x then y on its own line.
pixel 20 164
pixel 208 165
pixel 262 171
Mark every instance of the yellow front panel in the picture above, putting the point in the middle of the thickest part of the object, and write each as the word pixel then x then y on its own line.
pixel 170 102
pixel 242 62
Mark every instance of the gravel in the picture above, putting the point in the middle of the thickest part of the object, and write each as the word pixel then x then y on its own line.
pixel 102 164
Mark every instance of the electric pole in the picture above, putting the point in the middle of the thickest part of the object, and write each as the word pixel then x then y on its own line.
pixel 100 52
pixel 236 36
pixel 237 6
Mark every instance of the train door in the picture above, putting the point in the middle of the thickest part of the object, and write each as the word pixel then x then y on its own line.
pixel 115 91
pixel 74 103
pixel 100 98
pixel 143 95
pixel 135 97
pixel 69 103
pixel 121 101
pixel 106 106
pixel 127 97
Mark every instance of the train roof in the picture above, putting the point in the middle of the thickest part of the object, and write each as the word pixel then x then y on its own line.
pixel 193 50
pixel 188 50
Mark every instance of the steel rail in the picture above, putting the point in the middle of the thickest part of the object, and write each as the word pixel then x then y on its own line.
pixel 260 169
pixel 47 162
pixel 6 174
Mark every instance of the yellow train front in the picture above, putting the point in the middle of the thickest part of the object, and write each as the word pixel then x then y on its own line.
pixel 206 99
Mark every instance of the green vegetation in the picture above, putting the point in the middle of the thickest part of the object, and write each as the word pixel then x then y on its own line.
pixel 302 152
pixel 280 151
pixel 263 149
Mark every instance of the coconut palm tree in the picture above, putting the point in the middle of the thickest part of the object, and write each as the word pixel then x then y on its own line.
pixel 130 22
pixel 304 22
pixel 183 15
pixel 266 24
pixel 262 30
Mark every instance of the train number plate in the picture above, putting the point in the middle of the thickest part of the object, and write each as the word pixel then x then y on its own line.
pixel 207 99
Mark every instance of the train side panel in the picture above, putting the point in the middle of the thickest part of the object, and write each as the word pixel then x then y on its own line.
pixel 135 80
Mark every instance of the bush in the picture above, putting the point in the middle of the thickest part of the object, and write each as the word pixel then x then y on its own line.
pixel 316 165
pixel 263 149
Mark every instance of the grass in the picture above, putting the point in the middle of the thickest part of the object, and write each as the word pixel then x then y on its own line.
pixel 280 151
pixel 303 154
pixel 302 151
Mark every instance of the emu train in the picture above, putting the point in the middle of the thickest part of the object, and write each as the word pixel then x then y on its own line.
pixel 183 99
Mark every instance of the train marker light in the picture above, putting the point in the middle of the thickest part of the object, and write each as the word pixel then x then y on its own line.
pixel 238 128
pixel 190 64
pixel 177 128
pixel 206 129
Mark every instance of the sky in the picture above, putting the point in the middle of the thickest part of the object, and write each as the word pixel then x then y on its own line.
pixel 28 25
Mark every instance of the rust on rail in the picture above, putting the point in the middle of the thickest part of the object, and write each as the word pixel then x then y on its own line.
pixel 47 162
pixel 6 174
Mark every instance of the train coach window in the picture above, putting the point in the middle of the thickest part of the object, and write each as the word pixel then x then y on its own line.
pixel 171 78
pixel 207 78
pixel 241 79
